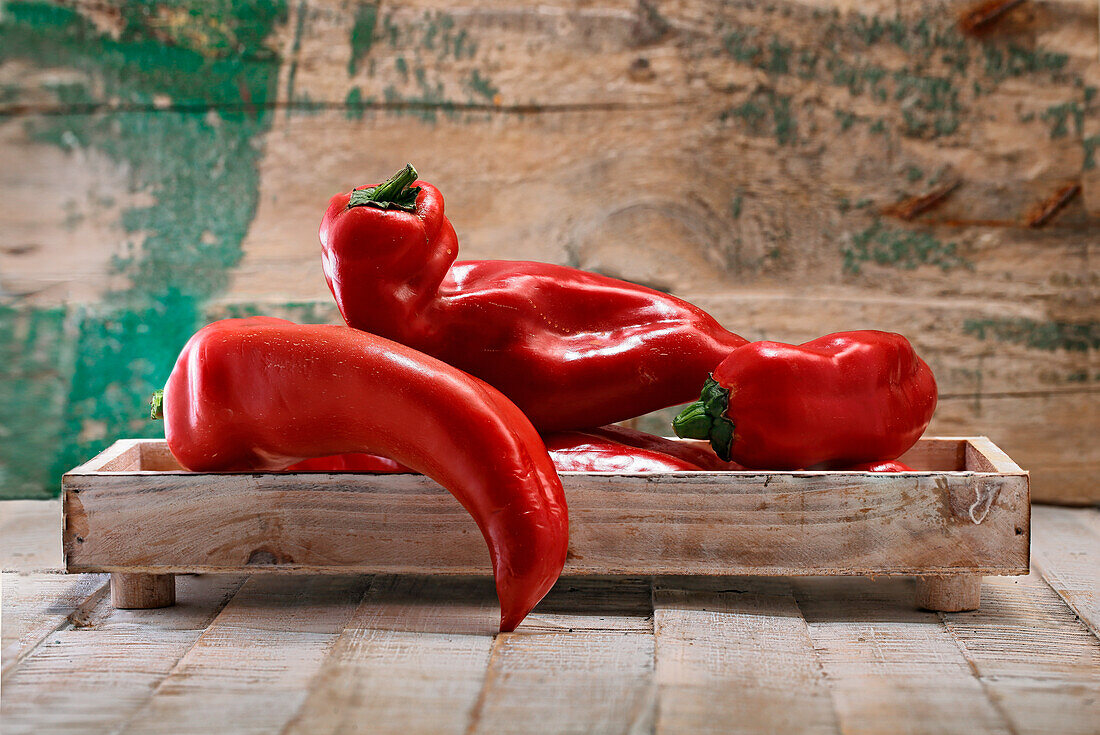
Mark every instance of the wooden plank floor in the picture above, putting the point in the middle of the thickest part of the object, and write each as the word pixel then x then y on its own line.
pixel 338 654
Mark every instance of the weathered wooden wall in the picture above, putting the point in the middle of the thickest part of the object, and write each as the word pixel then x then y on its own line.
pixel 795 167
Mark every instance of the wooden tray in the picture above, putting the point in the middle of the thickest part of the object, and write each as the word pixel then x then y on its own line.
pixel 964 513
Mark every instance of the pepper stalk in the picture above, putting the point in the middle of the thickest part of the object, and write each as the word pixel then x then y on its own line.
pixel 706 419
pixel 394 193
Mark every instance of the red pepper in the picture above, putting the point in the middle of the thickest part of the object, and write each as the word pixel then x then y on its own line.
pixel 603 449
pixel 891 465
pixel 357 462
pixel 572 349
pixel 689 452
pixel 262 394
pixel 575 451
pixel 837 401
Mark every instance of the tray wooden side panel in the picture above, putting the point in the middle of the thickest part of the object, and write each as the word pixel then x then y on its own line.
pixel 689 523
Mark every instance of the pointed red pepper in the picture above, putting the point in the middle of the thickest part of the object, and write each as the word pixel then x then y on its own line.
pixel 572 349
pixel 263 393
pixel 838 401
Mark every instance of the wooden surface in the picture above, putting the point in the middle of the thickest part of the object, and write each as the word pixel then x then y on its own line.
pixel 382 654
pixel 795 167
pixel 964 511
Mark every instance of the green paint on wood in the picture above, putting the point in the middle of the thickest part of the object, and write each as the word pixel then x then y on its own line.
pixel 1058 117
pixel 362 35
pixel 463 47
pixel 93 367
pixel 1016 61
pixel 1048 336
pixel 846 119
pixel 906 249
pixel 299 27
pixel 1090 145
pixel 482 86
pixel 739 44
pixel 36 347
pixel 779 57
pixel 736 206
pixel 931 96
pixel 354 103
pixel 761 107
pixel 423 45
pixel 302 312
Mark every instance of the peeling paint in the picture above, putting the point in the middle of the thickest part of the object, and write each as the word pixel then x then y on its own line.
pixel 1047 336
pixel 908 249
pixel 95 365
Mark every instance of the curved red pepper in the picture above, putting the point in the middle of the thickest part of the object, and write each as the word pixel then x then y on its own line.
pixel 262 393
pixel 837 401
pixel 572 349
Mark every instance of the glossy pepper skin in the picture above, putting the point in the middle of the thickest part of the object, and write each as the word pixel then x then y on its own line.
pixel 575 451
pixel 698 457
pixel 834 402
pixel 891 465
pixel 262 394
pixel 355 462
pixel 602 449
pixel 572 349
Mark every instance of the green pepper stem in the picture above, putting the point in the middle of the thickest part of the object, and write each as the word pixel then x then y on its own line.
pixel 156 405
pixel 707 419
pixel 693 422
pixel 394 193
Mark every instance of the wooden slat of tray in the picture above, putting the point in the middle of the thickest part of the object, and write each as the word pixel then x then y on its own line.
pixel 777 523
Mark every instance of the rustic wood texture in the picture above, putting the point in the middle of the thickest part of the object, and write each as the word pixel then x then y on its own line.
pixel 401 654
pixel 589 655
pixel 138 520
pixel 250 669
pixel 97 671
pixel 884 662
pixel 949 594
pixel 36 606
pixel 713 674
pixel 142 591
pixel 1066 557
pixel 29 538
pixel 1033 656
pixel 794 167
pixel 435 636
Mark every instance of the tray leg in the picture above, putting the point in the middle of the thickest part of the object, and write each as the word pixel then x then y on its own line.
pixel 139 591
pixel 955 593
